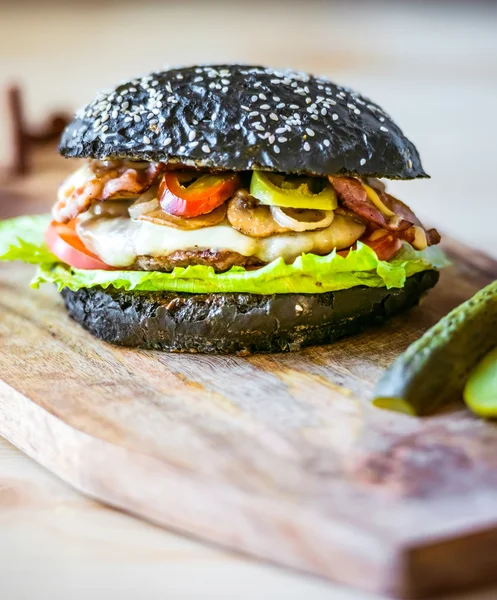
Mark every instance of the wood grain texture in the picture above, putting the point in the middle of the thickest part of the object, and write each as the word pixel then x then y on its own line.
pixel 279 456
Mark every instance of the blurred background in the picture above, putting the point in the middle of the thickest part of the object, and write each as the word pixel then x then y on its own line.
pixel 432 65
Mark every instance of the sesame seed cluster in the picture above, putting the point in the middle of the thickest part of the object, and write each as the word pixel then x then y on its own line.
pixel 238 117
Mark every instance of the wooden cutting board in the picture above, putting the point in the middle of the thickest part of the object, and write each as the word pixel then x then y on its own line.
pixel 281 456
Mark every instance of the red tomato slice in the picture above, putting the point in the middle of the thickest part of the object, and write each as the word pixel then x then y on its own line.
pixel 201 197
pixel 65 243
pixel 385 245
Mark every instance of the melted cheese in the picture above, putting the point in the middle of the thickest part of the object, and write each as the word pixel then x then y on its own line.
pixel 119 240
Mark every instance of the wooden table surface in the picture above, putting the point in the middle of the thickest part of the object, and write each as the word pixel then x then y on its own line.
pixel 434 69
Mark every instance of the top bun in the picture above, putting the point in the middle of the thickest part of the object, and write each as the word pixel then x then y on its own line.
pixel 238 118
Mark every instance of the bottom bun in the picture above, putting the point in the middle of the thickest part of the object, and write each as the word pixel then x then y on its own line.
pixel 235 322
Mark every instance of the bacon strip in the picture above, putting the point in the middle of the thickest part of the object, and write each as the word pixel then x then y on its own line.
pixel 403 225
pixel 118 180
pixel 354 197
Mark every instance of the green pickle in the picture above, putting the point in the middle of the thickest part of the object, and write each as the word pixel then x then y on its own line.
pixel 434 369
pixel 296 192
pixel 480 392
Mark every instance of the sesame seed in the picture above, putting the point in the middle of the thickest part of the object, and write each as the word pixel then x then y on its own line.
pixel 362 162
pixel 282 140
pixel 178 76
pixel 257 84
pixel 115 113
pixel 276 98
pixel 193 144
pixel 206 148
pixel 307 146
pixel 146 139
pixel 124 105
pixel 326 143
pixel 225 81
pixel 310 132
pixel 298 308
pixel 137 118
pixel 128 119
pixel 105 117
pixel 258 126
pixel 294 106
pixel 276 149
pixel 265 107
pixel 182 149
pixel 237 126
pixel 262 97
pixel 271 139
pixel 171 98
pixel 357 111
pixel 280 130
pixel 192 135
pixel 381 119
pixel 253 99
pixel 245 107
pixel 382 128
pixel 280 105
pixel 105 128
pixel 225 89
pixel 254 113
pixel 273 116
pixel 409 164
pixel 167 141
pixel 334 116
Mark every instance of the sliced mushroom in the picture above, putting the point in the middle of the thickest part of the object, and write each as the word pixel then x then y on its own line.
pixel 161 217
pixel 250 217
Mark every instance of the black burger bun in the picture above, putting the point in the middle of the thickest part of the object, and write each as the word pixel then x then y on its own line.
pixel 238 323
pixel 235 117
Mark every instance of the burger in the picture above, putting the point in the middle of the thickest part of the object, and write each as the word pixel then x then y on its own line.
pixel 232 209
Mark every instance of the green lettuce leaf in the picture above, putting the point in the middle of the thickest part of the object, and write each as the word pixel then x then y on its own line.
pixel 22 239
